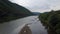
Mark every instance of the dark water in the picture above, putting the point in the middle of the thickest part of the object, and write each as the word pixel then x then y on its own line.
pixel 13 27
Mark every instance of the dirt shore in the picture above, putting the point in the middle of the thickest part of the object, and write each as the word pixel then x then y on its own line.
pixel 25 30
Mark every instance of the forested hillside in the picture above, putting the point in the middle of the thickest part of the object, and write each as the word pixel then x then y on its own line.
pixel 51 20
pixel 10 11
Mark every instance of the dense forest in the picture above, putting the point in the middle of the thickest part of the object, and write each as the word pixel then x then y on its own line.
pixel 10 11
pixel 51 20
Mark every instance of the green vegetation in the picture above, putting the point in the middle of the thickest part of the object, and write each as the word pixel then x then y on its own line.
pixel 51 20
pixel 11 11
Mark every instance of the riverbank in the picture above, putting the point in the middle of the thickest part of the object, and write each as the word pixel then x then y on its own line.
pixel 51 20
pixel 25 30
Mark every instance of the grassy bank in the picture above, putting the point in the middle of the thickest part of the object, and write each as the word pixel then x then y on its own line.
pixel 51 20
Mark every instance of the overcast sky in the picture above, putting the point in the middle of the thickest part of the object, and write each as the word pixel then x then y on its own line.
pixel 39 5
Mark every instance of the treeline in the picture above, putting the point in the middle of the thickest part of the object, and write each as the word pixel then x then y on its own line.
pixel 51 20
pixel 10 11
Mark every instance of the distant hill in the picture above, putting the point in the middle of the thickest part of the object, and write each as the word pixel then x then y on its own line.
pixel 10 11
pixel 35 13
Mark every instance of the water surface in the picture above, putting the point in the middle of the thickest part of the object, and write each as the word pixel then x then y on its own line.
pixel 14 27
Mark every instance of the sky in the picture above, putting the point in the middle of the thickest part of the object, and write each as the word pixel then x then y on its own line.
pixel 39 5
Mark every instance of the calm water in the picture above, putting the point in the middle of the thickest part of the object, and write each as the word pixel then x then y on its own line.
pixel 13 27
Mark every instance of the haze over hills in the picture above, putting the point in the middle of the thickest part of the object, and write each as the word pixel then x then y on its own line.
pixel 35 13
pixel 10 11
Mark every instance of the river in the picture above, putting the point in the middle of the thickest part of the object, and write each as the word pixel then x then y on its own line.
pixel 14 27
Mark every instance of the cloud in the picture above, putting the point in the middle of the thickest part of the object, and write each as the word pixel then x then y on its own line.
pixel 39 5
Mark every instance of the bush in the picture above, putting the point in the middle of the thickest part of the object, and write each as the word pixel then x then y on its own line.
pixel 58 31
pixel 57 26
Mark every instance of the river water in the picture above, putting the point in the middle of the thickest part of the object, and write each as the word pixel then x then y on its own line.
pixel 14 27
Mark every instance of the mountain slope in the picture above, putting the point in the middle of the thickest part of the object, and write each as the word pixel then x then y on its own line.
pixel 10 11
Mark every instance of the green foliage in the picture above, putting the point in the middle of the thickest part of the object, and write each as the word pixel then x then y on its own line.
pixel 51 19
pixel 58 31
pixel 11 11
pixel 57 26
